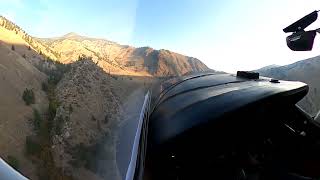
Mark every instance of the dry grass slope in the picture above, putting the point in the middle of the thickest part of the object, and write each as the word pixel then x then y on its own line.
pixel 17 74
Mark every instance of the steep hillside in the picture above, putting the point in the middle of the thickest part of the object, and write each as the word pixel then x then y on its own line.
pixel 17 74
pixel 307 71
pixel 12 34
pixel 88 108
pixel 143 60
pixel 91 109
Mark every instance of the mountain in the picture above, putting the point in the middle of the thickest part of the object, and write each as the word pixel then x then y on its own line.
pixel 267 67
pixel 307 71
pixel 144 60
pixel 111 56
pixel 85 89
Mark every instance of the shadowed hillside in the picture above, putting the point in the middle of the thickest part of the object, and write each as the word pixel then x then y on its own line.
pixel 17 77
pixel 307 71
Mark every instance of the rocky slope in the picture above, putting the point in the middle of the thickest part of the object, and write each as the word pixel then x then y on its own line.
pixel 307 71
pixel 92 110
pixel 89 108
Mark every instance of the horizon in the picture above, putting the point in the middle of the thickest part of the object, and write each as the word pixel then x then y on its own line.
pixel 200 30
pixel 77 34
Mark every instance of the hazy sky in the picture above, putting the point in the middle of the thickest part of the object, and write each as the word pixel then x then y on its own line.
pixel 225 35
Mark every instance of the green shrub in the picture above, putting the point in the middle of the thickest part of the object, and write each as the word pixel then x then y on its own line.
pixel 59 125
pixel 36 120
pixel 28 96
pixel 88 156
pixel 56 75
pixel 70 108
pixel 32 146
pixel 13 162
pixel 44 87
pixel 84 57
pixel 52 109
pixel 80 155
pixel 106 119
pixel 93 118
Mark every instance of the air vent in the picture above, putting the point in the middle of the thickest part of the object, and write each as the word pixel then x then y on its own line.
pixel 248 74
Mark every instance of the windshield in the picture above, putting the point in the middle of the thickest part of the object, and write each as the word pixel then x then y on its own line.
pixel 78 78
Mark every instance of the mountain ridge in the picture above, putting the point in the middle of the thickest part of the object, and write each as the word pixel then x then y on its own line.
pixel 307 71
pixel 69 47
pixel 142 59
